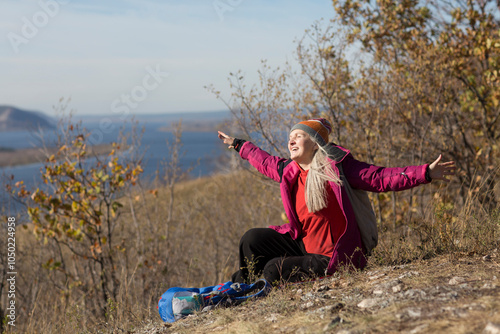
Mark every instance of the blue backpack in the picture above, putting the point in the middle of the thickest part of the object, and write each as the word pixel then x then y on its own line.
pixel 177 303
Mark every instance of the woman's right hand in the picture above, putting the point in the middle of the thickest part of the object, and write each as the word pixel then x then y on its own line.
pixel 226 139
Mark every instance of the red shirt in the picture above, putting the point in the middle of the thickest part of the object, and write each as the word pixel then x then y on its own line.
pixel 322 229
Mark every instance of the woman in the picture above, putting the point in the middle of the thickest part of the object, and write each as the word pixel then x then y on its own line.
pixel 320 189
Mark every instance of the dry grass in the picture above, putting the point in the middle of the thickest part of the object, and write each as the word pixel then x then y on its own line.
pixel 198 247
pixel 427 302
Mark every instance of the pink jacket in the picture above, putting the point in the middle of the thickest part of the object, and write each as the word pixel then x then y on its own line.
pixel 360 175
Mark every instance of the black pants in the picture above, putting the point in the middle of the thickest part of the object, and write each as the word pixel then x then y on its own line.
pixel 278 257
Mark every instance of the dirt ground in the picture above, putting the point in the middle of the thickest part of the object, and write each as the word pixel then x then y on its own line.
pixel 445 294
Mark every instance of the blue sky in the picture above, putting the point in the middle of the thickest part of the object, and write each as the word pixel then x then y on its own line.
pixel 145 55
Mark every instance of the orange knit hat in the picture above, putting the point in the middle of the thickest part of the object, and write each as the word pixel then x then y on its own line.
pixel 318 128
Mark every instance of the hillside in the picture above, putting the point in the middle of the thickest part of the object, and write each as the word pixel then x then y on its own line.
pixel 446 294
pixel 13 119
pixel 413 284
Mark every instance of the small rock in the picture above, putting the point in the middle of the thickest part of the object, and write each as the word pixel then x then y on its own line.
pixel 307 305
pixel 451 295
pixel 488 285
pixel 401 266
pixel 383 288
pixel 307 296
pixel 418 329
pixel 415 294
pixel 273 317
pixel 219 328
pixel 456 280
pixel 409 313
pixel 409 274
pixel 299 291
pixel 376 276
pixel 397 288
pixel 323 288
pixel 492 328
pixel 372 273
pixel 324 309
pixel 414 312
pixel 475 306
pixel 448 309
pixel 368 303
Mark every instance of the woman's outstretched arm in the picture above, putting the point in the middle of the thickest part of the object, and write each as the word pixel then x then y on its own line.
pixel 369 177
pixel 265 163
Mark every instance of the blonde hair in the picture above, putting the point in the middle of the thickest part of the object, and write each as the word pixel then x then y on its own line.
pixel 320 172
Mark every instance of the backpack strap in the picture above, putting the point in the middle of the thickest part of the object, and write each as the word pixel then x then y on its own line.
pixel 231 293
pixel 360 202
pixel 335 153
pixel 281 167
pixel 363 212
pixel 260 288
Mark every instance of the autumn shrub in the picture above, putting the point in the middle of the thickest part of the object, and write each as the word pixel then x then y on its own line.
pixel 447 227
pixel 101 246
pixel 401 82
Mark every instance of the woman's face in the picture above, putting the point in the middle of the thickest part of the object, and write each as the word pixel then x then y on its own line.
pixel 301 147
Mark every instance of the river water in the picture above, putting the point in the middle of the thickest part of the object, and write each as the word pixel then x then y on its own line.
pixel 200 151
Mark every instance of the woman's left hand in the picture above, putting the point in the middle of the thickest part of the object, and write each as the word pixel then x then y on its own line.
pixel 440 170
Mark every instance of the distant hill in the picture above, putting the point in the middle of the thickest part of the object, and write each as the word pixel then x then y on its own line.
pixel 13 119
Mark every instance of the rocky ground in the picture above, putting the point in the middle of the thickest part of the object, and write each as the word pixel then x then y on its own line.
pixel 446 294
